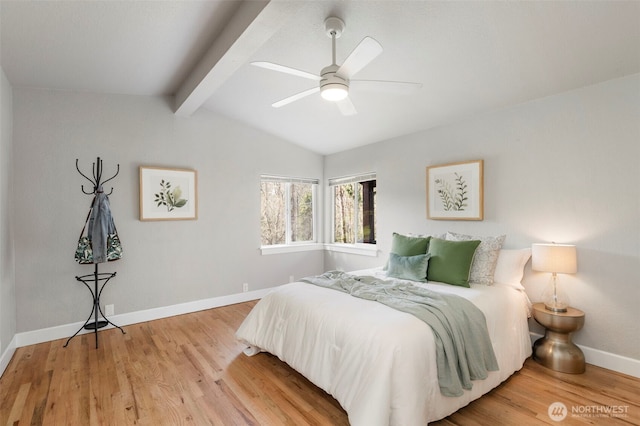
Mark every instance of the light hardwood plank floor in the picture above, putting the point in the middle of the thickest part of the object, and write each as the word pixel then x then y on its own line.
pixel 190 369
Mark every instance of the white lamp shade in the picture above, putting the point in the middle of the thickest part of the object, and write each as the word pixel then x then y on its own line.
pixel 559 258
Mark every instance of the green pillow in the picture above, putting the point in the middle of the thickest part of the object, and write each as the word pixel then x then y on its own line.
pixel 405 245
pixel 451 261
pixel 412 268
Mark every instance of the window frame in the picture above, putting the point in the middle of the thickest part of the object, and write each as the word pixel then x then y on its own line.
pixel 290 245
pixel 354 247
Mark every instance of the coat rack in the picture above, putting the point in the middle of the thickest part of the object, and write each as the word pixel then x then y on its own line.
pixel 99 279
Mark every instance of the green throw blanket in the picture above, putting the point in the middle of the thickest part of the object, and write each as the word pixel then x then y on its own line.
pixel 463 347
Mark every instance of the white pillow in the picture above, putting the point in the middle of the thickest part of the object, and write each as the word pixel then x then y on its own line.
pixel 510 267
pixel 484 261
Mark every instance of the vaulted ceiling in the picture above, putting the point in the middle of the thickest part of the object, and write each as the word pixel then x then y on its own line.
pixel 471 57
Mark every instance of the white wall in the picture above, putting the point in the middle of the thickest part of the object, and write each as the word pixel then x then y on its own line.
pixel 7 278
pixel 165 263
pixel 563 168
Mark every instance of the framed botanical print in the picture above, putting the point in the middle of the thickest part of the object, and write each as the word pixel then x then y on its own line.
pixel 455 191
pixel 168 194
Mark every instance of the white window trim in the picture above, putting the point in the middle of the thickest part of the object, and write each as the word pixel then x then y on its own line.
pixel 355 248
pixel 352 179
pixel 360 249
pixel 290 246
pixel 370 250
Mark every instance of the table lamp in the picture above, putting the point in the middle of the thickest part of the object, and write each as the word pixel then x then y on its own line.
pixel 557 259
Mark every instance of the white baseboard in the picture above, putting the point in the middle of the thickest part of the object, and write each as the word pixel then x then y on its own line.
pixel 7 355
pixel 67 330
pixel 621 364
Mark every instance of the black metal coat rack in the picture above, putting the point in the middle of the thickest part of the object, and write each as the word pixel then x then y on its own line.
pixel 99 279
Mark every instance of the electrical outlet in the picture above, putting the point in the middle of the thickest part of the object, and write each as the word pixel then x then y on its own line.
pixel 109 310
pixel 245 287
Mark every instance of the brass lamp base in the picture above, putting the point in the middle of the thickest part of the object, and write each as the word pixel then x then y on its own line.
pixel 555 307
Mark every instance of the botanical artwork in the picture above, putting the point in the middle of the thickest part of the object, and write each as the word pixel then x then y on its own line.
pixel 453 195
pixel 167 194
pixel 169 197
pixel 455 192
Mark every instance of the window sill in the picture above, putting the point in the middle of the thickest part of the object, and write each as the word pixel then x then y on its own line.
pixel 292 248
pixel 361 249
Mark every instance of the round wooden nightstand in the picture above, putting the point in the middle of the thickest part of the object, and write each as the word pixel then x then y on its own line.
pixel 556 350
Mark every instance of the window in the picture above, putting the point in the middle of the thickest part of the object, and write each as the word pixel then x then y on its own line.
pixel 354 206
pixel 287 207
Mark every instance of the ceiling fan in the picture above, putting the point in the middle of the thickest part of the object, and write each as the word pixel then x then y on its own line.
pixel 336 80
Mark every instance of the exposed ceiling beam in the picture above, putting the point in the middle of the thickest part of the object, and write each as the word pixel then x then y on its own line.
pixel 250 27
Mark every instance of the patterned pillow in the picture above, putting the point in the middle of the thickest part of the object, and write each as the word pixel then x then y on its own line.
pixel 486 258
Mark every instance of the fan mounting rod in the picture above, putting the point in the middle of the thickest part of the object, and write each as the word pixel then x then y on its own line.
pixel 332 86
pixel 334 27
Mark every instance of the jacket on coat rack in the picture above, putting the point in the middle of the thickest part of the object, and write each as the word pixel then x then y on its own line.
pixel 100 226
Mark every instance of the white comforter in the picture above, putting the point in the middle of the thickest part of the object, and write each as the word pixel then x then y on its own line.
pixel 377 362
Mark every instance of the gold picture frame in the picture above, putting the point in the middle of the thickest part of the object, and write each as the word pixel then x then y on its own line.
pixel 168 194
pixel 455 191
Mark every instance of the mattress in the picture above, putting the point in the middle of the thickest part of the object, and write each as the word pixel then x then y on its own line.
pixel 379 363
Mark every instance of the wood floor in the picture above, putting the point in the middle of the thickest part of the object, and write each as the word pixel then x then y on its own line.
pixel 190 369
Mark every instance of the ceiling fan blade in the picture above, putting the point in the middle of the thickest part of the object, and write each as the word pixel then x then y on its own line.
pixel 398 87
pixel 286 70
pixel 346 107
pixel 295 97
pixel 364 53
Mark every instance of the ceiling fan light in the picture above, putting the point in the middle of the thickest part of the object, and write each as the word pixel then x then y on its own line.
pixel 334 92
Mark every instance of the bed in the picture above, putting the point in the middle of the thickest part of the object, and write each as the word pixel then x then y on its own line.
pixel 377 362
